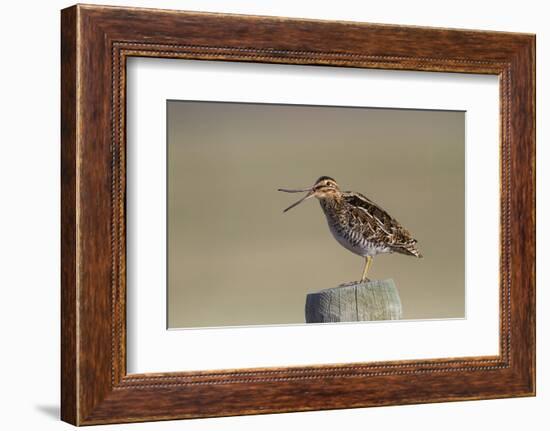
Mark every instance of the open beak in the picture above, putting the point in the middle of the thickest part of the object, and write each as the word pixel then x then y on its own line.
pixel 307 196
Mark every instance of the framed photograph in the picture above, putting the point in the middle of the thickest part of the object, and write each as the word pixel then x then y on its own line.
pixel 263 214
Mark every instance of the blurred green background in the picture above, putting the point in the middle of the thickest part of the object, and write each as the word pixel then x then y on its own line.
pixel 235 259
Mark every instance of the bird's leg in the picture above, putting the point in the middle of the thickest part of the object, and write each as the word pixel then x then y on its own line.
pixel 368 262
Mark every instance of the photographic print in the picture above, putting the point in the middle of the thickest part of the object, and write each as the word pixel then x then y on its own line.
pixel 293 214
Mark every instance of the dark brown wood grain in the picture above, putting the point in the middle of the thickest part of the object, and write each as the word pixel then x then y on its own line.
pixel 68 216
pixel 96 41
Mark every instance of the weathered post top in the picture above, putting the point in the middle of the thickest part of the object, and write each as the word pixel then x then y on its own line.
pixel 360 301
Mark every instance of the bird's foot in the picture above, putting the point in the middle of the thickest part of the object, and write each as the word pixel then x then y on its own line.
pixel 353 283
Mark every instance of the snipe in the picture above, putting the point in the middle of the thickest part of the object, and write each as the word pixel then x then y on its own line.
pixel 357 223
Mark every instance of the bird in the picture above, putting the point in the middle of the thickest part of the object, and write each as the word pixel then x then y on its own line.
pixel 357 223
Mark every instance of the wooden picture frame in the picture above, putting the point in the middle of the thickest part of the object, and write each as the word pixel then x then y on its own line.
pixel 95 43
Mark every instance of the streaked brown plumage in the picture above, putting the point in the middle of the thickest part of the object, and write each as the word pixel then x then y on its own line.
pixel 359 224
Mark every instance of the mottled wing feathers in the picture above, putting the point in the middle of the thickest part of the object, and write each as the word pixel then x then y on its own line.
pixel 379 226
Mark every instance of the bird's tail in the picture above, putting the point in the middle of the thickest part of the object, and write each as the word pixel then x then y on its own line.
pixel 409 250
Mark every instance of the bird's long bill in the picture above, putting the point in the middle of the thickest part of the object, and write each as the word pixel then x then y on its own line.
pixel 295 190
pixel 307 196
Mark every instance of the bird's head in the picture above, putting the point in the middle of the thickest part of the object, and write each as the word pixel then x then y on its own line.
pixel 324 187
